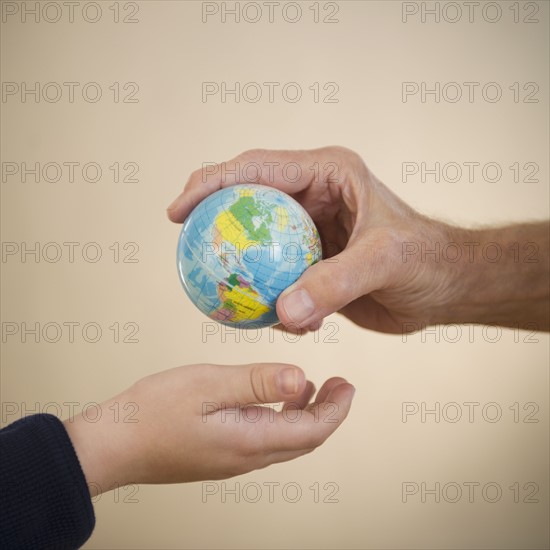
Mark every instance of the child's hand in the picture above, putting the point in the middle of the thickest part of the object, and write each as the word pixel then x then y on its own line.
pixel 202 422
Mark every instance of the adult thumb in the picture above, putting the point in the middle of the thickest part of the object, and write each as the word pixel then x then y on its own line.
pixel 324 288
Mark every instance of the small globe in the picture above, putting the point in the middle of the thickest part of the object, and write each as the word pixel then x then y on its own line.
pixel 240 248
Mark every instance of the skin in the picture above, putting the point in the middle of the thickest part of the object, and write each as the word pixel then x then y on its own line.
pixel 200 422
pixel 377 276
pixel 366 233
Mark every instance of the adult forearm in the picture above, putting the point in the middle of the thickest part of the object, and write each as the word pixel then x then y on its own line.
pixel 502 277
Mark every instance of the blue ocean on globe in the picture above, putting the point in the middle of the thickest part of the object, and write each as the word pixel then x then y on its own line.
pixel 240 248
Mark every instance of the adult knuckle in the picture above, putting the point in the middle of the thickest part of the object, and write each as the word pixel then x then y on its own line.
pixel 252 155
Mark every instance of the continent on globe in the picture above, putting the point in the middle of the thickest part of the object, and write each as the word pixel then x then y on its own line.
pixel 240 248
pixel 239 301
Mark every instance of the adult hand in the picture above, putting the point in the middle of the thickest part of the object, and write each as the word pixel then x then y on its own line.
pixel 387 267
pixel 202 422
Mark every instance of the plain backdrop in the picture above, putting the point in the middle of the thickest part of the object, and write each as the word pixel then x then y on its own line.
pixel 152 116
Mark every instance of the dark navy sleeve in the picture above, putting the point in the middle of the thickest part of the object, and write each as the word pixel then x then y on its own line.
pixel 44 498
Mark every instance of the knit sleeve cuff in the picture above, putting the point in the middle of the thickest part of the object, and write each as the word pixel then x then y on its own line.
pixel 45 497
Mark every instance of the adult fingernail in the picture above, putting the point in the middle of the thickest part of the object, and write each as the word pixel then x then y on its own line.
pixel 298 306
pixel 289 380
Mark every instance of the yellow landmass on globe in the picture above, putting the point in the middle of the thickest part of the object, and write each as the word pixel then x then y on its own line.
pixel 246 306
pixel 232 231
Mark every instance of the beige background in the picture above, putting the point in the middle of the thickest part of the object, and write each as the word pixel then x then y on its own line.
pixel 169 52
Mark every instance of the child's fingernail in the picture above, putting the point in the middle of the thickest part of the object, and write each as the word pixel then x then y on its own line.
pixel 289 380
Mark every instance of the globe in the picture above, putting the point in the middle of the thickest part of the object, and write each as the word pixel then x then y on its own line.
pixel 240 248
